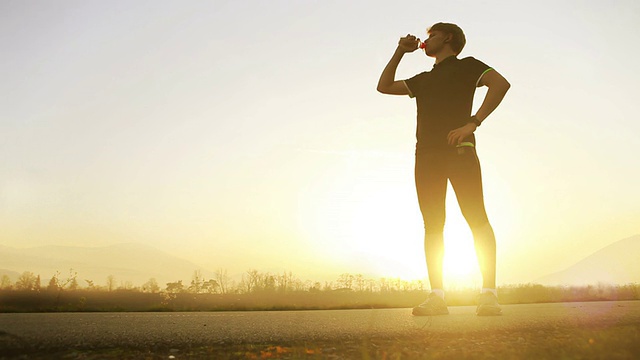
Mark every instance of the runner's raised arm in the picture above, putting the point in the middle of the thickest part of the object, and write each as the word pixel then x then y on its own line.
pixel 387 83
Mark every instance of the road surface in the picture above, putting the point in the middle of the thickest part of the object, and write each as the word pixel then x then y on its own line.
pixel 329 333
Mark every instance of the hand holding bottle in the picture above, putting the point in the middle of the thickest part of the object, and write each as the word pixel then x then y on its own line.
pixel 409 43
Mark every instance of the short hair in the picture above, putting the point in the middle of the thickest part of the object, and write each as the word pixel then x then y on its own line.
pixel 457 39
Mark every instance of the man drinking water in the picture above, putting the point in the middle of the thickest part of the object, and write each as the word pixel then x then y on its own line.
pixel 445 151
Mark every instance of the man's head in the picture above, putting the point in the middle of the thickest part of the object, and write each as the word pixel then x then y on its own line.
pixel 443 34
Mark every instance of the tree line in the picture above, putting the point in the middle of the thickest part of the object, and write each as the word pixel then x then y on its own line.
pixel 255 290
pixel 285 284
pixel 252 281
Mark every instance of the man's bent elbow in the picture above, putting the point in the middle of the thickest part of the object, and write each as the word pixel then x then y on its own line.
pixel 395 88
pixel 507 86
pixel 504 86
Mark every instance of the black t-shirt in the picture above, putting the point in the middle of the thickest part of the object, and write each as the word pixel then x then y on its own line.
pixel 444 97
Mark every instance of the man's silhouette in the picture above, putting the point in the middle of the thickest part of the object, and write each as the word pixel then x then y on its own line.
pixel 445 150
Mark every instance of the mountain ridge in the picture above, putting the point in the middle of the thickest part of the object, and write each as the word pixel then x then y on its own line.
pixel 615 264
pixel 127 262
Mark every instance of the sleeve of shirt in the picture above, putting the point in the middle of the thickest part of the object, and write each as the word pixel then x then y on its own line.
pixel 476 69
pixel 413 85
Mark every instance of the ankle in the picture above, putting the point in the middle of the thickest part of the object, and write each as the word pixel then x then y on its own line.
pixel 438 292
pixel 490 290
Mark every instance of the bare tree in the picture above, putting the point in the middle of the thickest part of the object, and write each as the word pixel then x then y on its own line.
pixel 26 281
pixel 196 282
pixel 175 287
pixel 283 282
pixel 211 286
pixel 251 281
pixel 288 282
pixel 73 283
pixel 5 282
pixel 269 282
pixel 223 280
pixel 56 283
pixel 111 283
pixel 383 285
pixel 299 285
pixel 38 284
pixel 346 281
pixel 371 285
pixel 264 282
pixel 90 284
pixel 151 286
pixel 126 285
pixel 360 282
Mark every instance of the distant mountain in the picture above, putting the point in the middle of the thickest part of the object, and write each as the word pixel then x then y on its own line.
pixel 617 264
pixel 136 263
pixel 13 275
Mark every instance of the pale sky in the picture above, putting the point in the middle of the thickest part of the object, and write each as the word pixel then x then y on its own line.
pixel 249 134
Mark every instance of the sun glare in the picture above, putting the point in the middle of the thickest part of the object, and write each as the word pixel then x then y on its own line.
pixel 377 229
pixel 387 228
pixel 460 263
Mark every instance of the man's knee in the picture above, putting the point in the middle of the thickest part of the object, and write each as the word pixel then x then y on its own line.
pixel 480 226
pixel 477 219
pixel 433 231
pixel 483 232
pixel 433 224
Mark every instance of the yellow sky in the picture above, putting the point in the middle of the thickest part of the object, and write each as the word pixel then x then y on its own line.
pixel 246 135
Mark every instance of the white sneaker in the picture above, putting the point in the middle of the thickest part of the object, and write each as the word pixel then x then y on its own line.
pixel 488 305
pixel 434 305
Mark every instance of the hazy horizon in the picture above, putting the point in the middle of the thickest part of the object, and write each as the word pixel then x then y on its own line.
pixel 250 135
pixel 139 263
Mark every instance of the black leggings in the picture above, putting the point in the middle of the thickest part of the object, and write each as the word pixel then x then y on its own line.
pixel 460 166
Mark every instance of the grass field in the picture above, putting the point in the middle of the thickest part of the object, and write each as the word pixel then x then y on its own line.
pixel 132 300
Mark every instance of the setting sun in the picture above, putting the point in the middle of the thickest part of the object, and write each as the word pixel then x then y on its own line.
pixel 460 262
pixel 378 228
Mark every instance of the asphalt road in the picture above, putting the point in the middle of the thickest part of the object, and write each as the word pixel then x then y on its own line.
pixel 45 332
